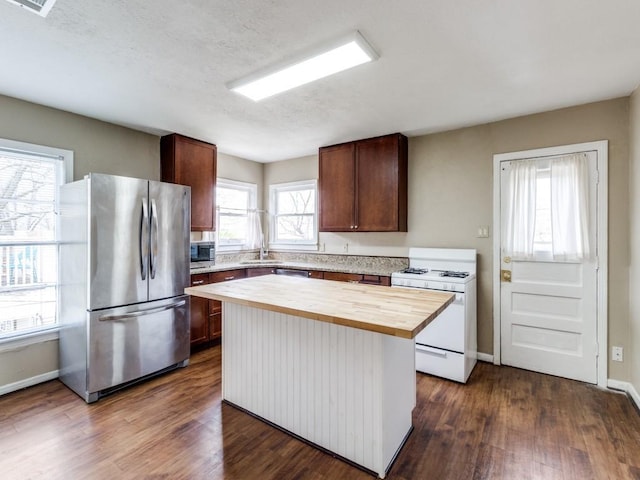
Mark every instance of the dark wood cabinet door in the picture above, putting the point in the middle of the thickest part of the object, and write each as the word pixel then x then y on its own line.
pixel 381 184
pixel 215 319
pixel 191 162
pixel 316 274
pixel 199 312
pixel 336 187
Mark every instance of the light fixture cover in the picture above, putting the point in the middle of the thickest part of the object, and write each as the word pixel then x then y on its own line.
pixel 325 60
pixel 39 7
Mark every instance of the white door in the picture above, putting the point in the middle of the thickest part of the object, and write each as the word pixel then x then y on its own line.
pixel 548 304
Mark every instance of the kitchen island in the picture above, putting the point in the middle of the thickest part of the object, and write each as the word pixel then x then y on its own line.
pixel 330 362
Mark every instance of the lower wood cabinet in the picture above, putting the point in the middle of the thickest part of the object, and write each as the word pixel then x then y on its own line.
pixel 199 312
pixel 206 315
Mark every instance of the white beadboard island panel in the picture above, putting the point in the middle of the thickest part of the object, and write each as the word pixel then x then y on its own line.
pixel 347 390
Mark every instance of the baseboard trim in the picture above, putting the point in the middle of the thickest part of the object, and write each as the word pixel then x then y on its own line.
pixel 28 382
pixel 626 387
pixel 485 357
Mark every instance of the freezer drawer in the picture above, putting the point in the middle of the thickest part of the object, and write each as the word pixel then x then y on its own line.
pixel 127 343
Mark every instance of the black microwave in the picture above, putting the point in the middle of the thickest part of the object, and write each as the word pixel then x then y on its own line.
pixel 203 252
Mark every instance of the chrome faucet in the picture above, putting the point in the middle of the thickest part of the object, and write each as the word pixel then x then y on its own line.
pixel 264 251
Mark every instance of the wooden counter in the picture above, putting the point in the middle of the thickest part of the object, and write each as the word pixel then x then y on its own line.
pixel 330 362
pixel 400 312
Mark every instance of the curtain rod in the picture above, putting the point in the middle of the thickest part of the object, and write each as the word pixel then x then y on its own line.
pixel 243 209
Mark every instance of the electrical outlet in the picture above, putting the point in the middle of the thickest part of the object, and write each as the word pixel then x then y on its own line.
pixel 616 354
pixel 483 231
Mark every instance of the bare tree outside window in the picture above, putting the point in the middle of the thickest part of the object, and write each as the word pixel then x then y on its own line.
pixel 294 213
pixel 28 250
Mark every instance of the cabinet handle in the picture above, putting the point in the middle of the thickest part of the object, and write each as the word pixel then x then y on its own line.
pixel 198 282
pixel 356 226
pixel 351 226
pixel 229 278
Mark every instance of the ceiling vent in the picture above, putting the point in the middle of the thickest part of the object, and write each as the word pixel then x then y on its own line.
pixel 41 7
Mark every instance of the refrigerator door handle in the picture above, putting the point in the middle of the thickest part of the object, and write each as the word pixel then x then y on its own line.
pixel 140 313
pixel 154 237
pixel 144 239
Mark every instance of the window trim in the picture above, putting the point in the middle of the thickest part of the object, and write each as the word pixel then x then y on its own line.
pixel 30 150
pixel 292 245
pixel 252 188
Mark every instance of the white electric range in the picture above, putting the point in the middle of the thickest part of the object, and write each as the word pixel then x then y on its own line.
pixel 447 347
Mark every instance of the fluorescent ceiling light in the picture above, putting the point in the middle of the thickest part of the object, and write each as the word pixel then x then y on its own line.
pixel 321 62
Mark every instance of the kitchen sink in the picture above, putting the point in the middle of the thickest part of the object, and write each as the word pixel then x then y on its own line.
pixel 260 262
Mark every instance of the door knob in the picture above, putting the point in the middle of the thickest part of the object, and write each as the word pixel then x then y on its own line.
pixel 506 275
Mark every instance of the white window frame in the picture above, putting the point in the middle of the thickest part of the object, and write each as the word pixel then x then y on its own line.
pixel 29 150
pixel 252 190
pixel 276 244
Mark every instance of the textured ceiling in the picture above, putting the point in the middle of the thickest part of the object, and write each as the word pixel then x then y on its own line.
pixel 161 66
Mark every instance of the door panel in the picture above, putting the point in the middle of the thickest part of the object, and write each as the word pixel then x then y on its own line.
pixel 377 171
pixel 336 186
pixel 548 311
pixel 116 238
pixel 170 256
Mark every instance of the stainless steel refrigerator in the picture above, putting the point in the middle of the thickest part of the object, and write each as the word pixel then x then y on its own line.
pixel 124 265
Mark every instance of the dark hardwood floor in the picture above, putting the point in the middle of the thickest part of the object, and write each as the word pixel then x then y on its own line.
pixel 504 424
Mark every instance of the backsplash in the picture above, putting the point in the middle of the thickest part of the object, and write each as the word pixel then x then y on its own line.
pixel 369 262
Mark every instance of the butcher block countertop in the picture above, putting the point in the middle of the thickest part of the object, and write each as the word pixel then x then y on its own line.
pixel 400 312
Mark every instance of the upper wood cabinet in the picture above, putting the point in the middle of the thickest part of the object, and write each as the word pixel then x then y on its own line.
pixel 363 185
pixel 191 162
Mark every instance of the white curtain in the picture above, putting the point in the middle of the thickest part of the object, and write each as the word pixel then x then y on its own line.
pixel 521 214
pixel 254 230
pixel 570 207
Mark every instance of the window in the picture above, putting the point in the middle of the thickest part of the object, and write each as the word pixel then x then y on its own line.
pixel 293 214
pixel 237 217
pixel 548 204
pixel 29 179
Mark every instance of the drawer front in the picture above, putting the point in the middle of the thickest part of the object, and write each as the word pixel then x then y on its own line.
pixel 199 279
pixel 215 277
pixel 316 274
pixel 440 363
pixel 343 277
pixel 376 280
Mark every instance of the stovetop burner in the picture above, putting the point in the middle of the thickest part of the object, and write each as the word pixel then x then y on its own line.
pixel 451 273
pixel 415 271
